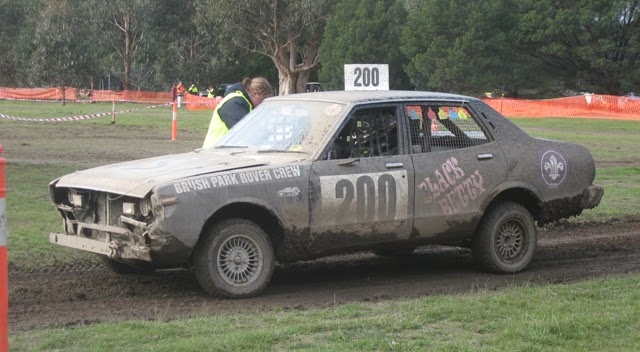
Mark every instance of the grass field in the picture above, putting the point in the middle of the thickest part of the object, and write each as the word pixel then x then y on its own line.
pixel 600 315
pixel 596 315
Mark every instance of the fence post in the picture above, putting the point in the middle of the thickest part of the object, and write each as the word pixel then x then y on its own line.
pixel 113 112
pixel 174 122
pixel 4 264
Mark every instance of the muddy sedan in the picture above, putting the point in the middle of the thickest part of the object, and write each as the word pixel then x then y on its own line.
pixel 316 174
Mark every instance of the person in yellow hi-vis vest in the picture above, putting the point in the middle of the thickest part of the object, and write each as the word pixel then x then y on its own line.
pixel 239 100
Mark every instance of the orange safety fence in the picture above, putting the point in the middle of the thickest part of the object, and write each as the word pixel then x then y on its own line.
pixel 131 95
pixel 593 106
pixel 71 94
pixel 195 102
pixel 583 106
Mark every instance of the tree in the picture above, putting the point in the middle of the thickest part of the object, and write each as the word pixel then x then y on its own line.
pixel 61 54
pixel 364 31
pixel 589 44
pixel 12 16
pixel 182 46
pixel 287 31
pixel 125 26
pixel 461 46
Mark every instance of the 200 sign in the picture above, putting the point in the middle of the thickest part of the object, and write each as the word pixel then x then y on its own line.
pixel 370 200
pixel 366 77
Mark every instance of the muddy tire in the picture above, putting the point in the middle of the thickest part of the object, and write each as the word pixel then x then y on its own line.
pixel 505 240
pixel 234 259
pixel 125 268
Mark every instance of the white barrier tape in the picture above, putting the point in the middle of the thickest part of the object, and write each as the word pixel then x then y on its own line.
pixel 76 118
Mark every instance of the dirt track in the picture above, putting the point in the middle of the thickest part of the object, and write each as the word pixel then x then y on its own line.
pixel 55 297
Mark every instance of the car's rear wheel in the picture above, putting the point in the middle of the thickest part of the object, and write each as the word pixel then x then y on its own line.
pixel 505 240
pixel 235 259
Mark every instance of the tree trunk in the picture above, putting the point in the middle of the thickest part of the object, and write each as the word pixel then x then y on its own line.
pixel 127 72
pixel 127 60
pixel 128 51
pixel 301 83
pixel 287 80
pixel 293 77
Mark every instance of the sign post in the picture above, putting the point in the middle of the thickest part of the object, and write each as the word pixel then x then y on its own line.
pixel 4 264
pixel 366 77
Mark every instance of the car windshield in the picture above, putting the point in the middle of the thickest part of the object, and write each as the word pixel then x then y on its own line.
pixel 285 126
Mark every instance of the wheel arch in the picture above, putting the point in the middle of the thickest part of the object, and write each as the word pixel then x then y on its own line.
pixel 520 193
pixel 260 214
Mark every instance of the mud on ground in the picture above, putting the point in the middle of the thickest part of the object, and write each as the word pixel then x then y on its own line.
pixel 69 296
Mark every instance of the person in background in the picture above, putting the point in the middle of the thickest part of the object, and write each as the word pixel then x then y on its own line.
pixel 211 92
pixel 193 90
pixel 180 90
pixel 174 93
pixel 247 95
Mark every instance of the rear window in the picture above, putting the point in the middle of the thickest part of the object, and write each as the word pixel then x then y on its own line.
pixel 437 127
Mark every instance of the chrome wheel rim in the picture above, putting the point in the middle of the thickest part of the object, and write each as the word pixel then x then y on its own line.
pixel 239 260
pixel 510 241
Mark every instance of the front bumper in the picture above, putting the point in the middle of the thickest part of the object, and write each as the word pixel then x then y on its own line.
pixel 112 249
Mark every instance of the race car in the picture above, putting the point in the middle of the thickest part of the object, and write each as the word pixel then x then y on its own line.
pixel 316 174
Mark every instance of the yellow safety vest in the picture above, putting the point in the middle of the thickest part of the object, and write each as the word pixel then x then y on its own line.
pixel 217 128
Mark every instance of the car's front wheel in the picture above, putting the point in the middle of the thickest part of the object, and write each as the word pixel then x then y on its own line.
pixel 505 240
pixel 235 259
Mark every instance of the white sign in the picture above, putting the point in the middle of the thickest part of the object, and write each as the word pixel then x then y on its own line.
pixel 377 196
pixel 366 77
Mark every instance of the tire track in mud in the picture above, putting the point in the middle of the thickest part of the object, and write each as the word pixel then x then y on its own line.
pixel 89 293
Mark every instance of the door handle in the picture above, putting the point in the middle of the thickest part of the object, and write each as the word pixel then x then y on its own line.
pixel 484 156
pixel 394 165
pixel 349 162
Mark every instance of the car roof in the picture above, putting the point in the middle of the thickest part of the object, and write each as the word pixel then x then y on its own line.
pixel 354 97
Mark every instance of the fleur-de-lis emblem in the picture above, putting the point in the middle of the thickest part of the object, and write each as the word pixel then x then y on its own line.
pixel 553 166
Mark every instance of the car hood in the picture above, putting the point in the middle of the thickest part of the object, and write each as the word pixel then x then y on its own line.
pixel 138 177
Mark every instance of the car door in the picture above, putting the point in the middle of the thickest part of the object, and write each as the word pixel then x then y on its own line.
pixel 457 165
pixel 362 188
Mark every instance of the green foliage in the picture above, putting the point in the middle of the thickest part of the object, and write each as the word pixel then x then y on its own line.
pixel 471 47
pixel 590 45
pixel 288 32
pixel 461 46
pixel 126 28
pixel 187 48
pixel 59 52
pixel 364 31
pixel 12 16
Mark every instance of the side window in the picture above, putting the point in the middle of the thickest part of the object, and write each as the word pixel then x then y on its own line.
pixel 443 127
pixel 367 133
